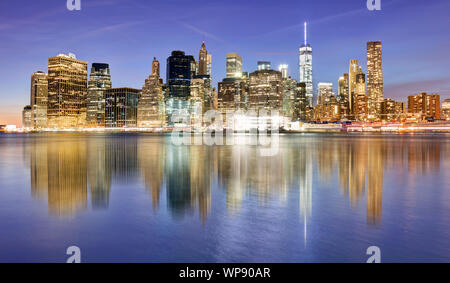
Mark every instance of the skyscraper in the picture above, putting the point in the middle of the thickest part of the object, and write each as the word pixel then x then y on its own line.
pixel 151 101
pixel 425 106
pixel 67 91
pixel 360 82
pixel 234 65
pixel 99 82
pixel 283 68
pixel 265 91
pixel 289 95
pixel 353 71
pixel 203 60
pixel 39 100
pixel 324 92
pixel 375 88
pixel 264 65
pixel 209 65
pixel 179 68
pixel 343 95
pixel 27 121
pixel 306 68
pixel 121 107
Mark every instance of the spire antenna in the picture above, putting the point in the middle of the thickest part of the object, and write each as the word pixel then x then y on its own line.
pixel 305 33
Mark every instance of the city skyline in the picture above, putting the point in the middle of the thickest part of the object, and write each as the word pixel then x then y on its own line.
pixel 130 71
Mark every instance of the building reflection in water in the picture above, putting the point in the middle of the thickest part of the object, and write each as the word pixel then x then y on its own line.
pixel 63 167
pixel 99 173
pixel 151 153
pixel 67 176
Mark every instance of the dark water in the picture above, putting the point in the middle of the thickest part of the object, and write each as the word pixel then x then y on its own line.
pixel 324 197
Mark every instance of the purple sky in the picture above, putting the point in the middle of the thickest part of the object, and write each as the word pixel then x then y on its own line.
pixel 127 34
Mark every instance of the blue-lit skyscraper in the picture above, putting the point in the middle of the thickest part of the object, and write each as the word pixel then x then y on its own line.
pixel 306 68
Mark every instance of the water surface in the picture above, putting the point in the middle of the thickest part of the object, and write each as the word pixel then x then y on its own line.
pixel 139 198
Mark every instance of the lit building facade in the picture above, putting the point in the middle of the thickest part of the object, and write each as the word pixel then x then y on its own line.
pixel 389 110
pixel 264 65
pixel 27 121
pixel 39 99
pixel 353 71
pixel 425 106
pixel 228 95
pixel 283 68
pixel 328 111
pixel 234 65
pixel 446 109
pixel 343 96
pixel 151 101
pixel 181 69
pixel 375 86
pixel 265 91
pixel 289 95
pixel 99 82
pixel 360 107
pixel 324 92
pixel 301 103
pixel 67 91
pixel 203 60
pixel 179 74
pixel 121 107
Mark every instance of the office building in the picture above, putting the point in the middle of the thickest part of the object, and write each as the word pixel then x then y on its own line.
pixel 264 65
pixel 375 86
pixel 27 121
pixel 265 91
pixel 121 107
pixel 203 61
pixel 151 102
pixel 289 96
pixel 324 92
pixel 446 109
pixel 67 91
pixel 353 71
pixel 306 67
pixel 283 68
pixel 39 100
pixel 425 106
pixel 99 82
pixel 234 65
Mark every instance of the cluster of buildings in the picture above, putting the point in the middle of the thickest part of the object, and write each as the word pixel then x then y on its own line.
pixel 66 97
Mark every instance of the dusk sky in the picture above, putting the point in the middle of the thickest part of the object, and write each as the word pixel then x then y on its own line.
pixel 127 34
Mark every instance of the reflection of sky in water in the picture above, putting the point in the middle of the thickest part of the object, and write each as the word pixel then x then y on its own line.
pixel 139 198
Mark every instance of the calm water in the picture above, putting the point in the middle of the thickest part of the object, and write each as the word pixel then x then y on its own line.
pixel 324 197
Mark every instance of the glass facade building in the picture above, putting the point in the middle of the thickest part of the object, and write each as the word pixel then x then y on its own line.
pixel 179 68
pixel 306 68
pixel 234 65
pixel 265 91
pixel 121 107
pixel 39 100
pixel 99 82
pixel 375 86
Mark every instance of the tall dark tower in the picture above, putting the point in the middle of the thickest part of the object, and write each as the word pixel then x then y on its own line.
pixel 179 74
pixel 203 61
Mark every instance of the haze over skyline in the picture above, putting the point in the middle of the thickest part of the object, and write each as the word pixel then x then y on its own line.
pixel 127 34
